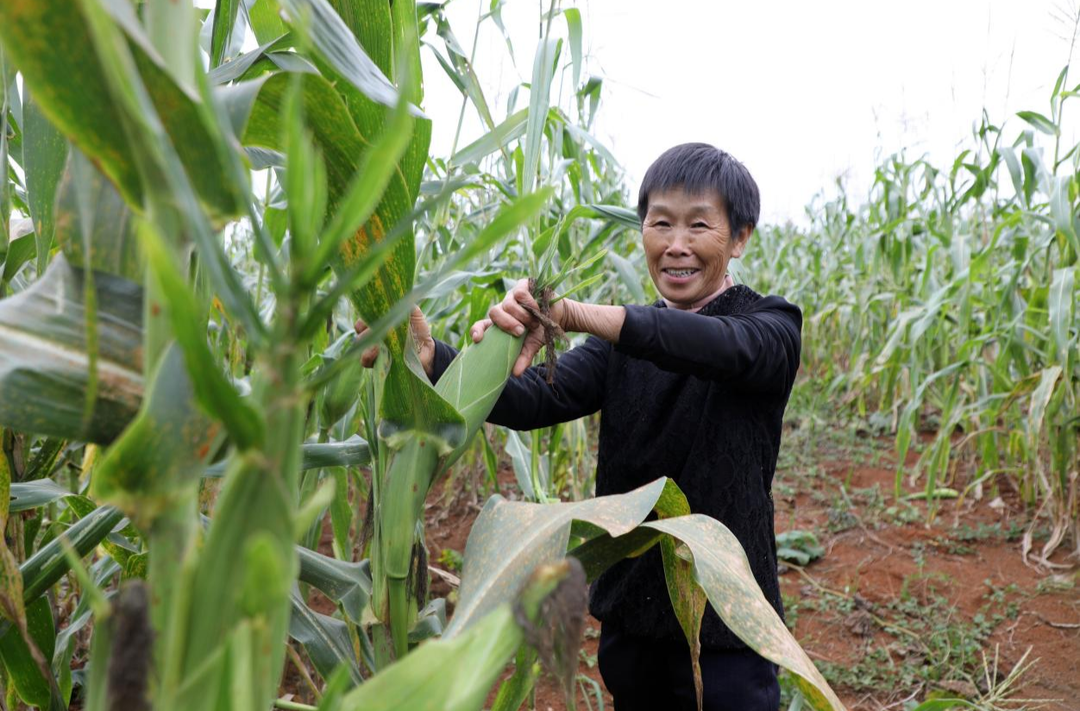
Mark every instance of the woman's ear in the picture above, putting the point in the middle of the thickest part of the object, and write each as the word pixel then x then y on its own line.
pixel 740 241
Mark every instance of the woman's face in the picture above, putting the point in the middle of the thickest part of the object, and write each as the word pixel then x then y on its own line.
pixel 688 244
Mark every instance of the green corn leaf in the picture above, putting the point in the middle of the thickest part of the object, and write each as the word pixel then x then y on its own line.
pixel 265 20
pixel 41 571
pixel 722 570
pixel 337 43
pixel 456 674
pixel 91 214
pixel 353 452
pixel 365 191
pixel 225 14
pixel 1039 121
pixel 547 58
pixel 453 675
pixel 326 640
pixel 44 153
pixel 74 91
pixel 163 449
pixel 1040 400
pixel 32 686
pixel 29 495
pixel 216 394
pixel 20 251
pixel 496 139
pixel 573 29
pixel 348 584
pixel 43 356
pixel 1062 310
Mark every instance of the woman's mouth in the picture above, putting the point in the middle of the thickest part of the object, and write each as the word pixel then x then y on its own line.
pixel 680 275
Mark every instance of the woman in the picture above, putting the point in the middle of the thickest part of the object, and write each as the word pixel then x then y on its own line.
pixel 692 387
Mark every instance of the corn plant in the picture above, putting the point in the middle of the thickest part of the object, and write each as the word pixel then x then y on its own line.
pixel 948 302
pixel 141 359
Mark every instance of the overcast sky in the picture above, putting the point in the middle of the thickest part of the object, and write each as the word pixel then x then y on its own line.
pixel 801 92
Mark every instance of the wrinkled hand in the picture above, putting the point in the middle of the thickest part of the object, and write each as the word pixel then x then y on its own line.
pixel 421 333
pixel 512 315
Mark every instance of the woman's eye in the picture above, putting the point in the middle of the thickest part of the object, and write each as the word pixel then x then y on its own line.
pixel 661 223
pixel 699 225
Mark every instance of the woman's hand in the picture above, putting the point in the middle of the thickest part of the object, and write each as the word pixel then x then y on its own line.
pixel 513 315
pixel 421 333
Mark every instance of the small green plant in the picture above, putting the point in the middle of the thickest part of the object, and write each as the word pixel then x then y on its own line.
pixel 451 559
pixel 799 547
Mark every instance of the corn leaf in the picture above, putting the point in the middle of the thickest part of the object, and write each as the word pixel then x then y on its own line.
pixel 225 13
pixel 444 675
pixel 28 495
pixel 497 563
pixel 44 153
pixel 93 223
pixel 353 452
pixel 348 584
pixel 547 57
pixel 336 42
pixel 49 564
pixel 510 537
pixel 43 356
pixel 216 394
pixel 73 91
pixel 30 683
pixel 326 640
pixel 722 570
pixel 162 451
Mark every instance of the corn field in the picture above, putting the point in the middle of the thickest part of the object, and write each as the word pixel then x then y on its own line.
pixel 196 208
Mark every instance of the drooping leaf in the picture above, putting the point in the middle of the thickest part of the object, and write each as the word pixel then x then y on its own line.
pixel 497 563
pixel 326 640
pixel 348 584
pixel 530 534
pixel 722 570
pixel 43 355
pixel 337 43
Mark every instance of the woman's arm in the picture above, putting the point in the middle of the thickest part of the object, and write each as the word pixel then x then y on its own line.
pixel 758 349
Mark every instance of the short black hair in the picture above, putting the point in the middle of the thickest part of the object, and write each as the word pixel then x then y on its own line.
pixel 698 168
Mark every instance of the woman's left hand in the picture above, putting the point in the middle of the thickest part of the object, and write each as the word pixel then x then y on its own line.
pixel 513 315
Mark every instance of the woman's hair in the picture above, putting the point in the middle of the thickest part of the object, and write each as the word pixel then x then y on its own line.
pixel 699 168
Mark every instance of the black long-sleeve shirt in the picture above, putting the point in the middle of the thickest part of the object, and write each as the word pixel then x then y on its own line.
pixel 698 397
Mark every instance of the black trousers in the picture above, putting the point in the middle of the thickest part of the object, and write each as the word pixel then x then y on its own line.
pixel 651 675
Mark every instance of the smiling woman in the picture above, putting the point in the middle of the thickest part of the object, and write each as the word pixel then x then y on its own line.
pixel 693 387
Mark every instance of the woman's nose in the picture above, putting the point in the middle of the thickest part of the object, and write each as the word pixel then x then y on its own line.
pixel 679 244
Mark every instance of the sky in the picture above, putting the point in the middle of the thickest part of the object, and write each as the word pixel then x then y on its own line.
pixel 803 93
